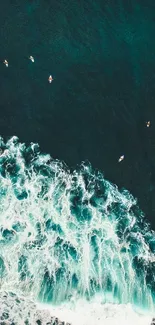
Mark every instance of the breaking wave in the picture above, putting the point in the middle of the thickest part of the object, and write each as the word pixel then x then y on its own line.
pixel 68 235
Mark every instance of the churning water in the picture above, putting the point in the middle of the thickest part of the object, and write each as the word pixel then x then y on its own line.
pixel 70 236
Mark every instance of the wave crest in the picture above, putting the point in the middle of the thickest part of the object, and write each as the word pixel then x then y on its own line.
pixel 70 234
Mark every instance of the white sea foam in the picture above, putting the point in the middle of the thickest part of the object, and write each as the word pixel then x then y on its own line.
pixel 18 310
pixel 96 313
pixel 71 235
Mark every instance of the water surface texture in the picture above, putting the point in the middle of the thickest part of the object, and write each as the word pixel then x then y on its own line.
pixel 67 231
pixel 101 55
pixel 69 236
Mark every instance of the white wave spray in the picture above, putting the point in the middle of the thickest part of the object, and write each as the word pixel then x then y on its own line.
pixel 67 235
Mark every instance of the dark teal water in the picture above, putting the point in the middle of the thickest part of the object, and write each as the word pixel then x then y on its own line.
pixel 102 58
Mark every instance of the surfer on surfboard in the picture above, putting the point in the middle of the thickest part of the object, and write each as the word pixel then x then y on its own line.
pixel 31 58
pixel 50 79
pixel 121 158
pixel 6 63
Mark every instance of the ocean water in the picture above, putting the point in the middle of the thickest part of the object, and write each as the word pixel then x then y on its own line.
pixel 70 236
pixel 77 237
pixel 101 55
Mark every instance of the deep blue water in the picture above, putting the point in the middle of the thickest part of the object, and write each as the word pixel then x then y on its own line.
pixel 102 58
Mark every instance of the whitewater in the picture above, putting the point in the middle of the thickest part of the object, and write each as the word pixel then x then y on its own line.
pixel 72 245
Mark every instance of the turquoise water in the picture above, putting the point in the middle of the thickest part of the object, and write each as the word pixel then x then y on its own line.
pixel 67 235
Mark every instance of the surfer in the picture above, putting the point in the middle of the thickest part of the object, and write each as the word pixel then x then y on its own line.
pixel 50 79
pixel 31 58
pixel 148 124
pixel 121 158
pixel 6 63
